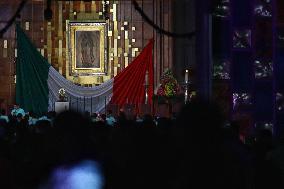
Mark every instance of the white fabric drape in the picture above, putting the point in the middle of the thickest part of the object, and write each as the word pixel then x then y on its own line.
pixel 91 99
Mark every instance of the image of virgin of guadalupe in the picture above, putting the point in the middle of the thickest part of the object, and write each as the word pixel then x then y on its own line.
pixel 88 49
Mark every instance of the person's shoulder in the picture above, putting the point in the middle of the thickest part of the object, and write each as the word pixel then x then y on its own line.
pixel 22 111
pixel 4 117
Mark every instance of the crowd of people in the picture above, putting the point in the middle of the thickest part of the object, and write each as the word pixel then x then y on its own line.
pixel 19 115
pixel 82 151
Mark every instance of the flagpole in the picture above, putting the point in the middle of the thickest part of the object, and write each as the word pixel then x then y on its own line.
pixel 153 82
pixel 146 86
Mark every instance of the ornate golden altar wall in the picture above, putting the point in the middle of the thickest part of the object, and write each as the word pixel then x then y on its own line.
pixel 126 35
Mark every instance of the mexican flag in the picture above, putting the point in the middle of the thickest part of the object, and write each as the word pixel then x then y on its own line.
pixel 33 72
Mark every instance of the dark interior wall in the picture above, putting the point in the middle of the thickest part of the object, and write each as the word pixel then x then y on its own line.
pixel 184 49
pixel 7 55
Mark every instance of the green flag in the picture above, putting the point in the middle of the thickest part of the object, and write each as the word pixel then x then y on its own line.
pixel 32 74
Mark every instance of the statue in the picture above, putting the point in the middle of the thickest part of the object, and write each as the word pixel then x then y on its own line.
pixel 62 95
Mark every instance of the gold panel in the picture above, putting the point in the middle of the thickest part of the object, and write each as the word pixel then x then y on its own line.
pixel 60 36
pixel 49 58
pixel 93 6
pixel 87 16
pixel 49 42
pixel 5 44
pixel 115 47
pixel 114 12
pixel 115 61
pixel 119 50
pixel 60 60
pixel 5 53
pixel 27 26
pixel 82 6
pixel 60 25
pixel 126 45
pixel 126 61
pixel 42 52
pixel 105 78
pixel 111 50
pixel 134 50
pixel 56 53
pixel 71 13
pixel 115 31
pixel 67 54
pixel 100 79
pixel 115 71
pixel 126 35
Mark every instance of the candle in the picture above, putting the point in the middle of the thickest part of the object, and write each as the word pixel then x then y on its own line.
pixel 146 78
pixel 186 76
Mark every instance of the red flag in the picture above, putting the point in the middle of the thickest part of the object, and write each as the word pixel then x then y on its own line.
pixel 129 85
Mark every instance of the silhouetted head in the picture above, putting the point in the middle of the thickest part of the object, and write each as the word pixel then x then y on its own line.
pixel 198 115
pixel 3 112
pixel 109 112
pixel 148 121
pixel 16 106
pixel 70 121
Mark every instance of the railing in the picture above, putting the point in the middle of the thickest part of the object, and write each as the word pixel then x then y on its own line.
pixel 91 105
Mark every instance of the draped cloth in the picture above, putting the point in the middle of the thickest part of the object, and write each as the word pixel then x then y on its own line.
pixel 31 75
pixel 38 83
pixel 129 85
pixel 91 99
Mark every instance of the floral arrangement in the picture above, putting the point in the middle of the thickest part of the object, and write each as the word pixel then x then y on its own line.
pixel 169 86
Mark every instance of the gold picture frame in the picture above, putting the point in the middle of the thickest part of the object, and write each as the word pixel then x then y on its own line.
pixel 87 48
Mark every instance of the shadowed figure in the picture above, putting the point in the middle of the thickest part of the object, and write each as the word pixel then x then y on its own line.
pixel 194 151
pixel 205 154
pixel 71 155
pixel 267 172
